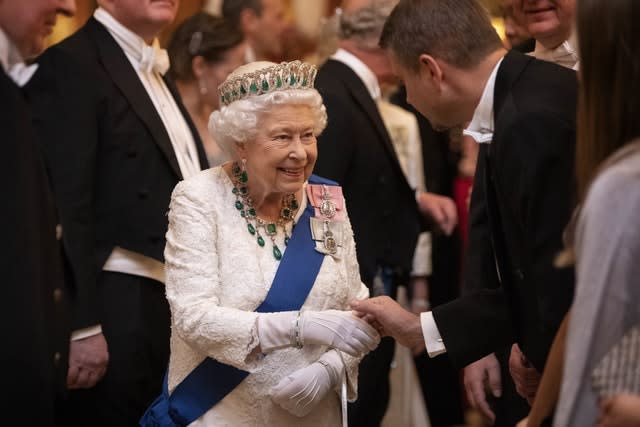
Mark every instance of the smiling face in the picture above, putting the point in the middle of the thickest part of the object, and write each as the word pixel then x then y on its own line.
pixel 146 18
pixel 514 28
pixel 549 21
pixel 29 23
pixel 282 155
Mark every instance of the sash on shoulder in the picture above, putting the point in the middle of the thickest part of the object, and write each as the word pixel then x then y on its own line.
pixel 211 381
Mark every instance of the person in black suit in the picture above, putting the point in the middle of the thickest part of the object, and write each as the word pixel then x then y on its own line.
pixel 35 329
pixel 522 111
pixel 438 379
pixel 117 140
pixel 554 41
pixel 356 151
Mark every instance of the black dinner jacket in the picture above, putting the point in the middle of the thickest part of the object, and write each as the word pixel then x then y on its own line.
pixel 112 163
pixel 522 200
pixel 355 150
pixel 33 314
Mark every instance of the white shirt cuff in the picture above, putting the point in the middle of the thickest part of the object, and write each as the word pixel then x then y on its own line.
pixel 432 339
pixel 79 334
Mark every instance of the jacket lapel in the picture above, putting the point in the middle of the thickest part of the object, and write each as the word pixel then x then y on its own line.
pixel 510 69
pixel 504 106
pixel 202 156
pixel 117 65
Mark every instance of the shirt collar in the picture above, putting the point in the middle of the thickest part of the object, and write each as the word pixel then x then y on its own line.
pixel 360 68
pixel 9 54
pixel 565 54
pixel 12 62
pixel 139 52
pixel 481 126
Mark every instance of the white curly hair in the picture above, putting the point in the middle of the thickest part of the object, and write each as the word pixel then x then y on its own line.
pixel 238 121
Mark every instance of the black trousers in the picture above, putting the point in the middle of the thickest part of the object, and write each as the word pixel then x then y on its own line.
pixel 440 386
pixel 510 408
pixel 136 324
pixel 373 386
pixel 439 380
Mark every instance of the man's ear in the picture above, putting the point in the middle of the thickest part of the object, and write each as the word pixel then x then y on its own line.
pixel 430 69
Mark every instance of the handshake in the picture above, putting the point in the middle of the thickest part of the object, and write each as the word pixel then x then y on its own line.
pixel 355 333
pixel 334 328
pixel 300 391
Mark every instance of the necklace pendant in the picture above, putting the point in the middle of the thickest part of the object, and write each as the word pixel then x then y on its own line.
pixel 276 253
pixel 244 205
pixel 271 229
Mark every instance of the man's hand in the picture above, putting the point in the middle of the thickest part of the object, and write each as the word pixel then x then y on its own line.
pixel 393 321
pixel 480 376
pixel 441 210
pixel 621 410
pixel 525 376
pixel 523 422
pixel 88 358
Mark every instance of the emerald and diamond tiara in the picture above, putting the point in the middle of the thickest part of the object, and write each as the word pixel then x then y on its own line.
pixel 283 76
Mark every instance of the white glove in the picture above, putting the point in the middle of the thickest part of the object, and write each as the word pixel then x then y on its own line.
pixel 299 392
pixel 335 328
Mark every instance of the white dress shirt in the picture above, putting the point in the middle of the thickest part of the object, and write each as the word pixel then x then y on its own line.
pixel 566 54
pixel 481 130
pixel 150 73
pixel 12 62
pixel 361 69
pixel 481 126
pixel 150 63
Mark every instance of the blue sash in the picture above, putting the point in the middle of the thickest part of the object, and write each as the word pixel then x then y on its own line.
pixel 211 381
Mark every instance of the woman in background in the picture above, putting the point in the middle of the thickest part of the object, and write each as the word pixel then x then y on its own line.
pixel 604 240
pixel 203 51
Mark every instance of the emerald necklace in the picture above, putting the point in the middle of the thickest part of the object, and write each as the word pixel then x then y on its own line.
pixel 254 223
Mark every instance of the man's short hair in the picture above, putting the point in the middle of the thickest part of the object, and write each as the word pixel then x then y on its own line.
pixel 365 23
pixel 231 9
pixel 458 32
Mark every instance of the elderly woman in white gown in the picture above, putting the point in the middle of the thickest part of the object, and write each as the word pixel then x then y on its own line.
pixel 261 267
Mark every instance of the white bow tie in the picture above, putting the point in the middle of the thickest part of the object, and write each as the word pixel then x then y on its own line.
pixel 154 59
pixel 21 73
pixel 564 55
pixel 483 136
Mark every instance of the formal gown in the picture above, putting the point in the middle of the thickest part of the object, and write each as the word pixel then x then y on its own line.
pixel 216 277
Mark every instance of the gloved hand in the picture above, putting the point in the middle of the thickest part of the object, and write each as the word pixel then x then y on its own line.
pixel 300 391
pixel 335 328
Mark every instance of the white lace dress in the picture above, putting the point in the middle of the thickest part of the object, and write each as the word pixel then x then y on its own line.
pixel 216 276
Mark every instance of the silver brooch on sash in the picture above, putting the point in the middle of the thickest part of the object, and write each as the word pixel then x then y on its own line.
pixel 326 228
